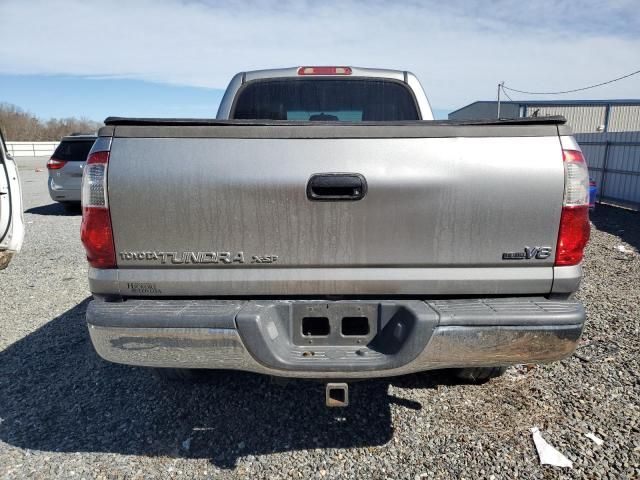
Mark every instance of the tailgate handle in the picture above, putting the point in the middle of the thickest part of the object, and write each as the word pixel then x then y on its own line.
pixel 336 187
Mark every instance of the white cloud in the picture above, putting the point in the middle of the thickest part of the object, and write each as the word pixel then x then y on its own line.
pixel 459 50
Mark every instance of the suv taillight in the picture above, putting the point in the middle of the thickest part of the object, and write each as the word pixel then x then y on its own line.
pixel 574 221
pixel 96 233
pixel 55 164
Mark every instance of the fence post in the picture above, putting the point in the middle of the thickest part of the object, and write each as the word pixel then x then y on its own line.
pixel 603 183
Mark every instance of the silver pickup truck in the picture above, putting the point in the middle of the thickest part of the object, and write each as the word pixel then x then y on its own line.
pixel 321 228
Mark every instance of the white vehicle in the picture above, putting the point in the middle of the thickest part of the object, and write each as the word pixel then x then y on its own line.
pixel 11 221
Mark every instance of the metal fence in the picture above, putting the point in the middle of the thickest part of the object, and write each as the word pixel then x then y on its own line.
pixel 614 163
pixel 31 149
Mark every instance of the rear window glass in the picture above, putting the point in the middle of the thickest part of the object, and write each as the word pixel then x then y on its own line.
pixel 325 100
pixel 73 151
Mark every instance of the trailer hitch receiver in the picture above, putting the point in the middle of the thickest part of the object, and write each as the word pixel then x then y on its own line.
pixel 337 395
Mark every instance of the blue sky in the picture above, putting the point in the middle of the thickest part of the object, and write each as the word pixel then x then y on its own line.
pixel 98 98
pixel 173 57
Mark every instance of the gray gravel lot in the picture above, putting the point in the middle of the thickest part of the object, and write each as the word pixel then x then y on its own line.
pixel 65 413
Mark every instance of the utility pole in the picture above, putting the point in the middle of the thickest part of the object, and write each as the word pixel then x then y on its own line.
pixel 500 85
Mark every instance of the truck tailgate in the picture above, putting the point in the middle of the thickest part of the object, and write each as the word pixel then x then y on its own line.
pixel 210 207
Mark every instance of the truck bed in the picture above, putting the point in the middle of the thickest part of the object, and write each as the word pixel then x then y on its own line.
pixel 222 208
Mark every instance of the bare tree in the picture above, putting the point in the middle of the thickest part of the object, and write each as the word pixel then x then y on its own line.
pixel 20 126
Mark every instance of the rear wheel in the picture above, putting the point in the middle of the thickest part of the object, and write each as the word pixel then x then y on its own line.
pixel 479 374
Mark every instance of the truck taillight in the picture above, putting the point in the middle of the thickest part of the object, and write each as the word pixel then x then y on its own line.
pixel 574 229
pixel 324 71
pixel 96 233
pixel 55 164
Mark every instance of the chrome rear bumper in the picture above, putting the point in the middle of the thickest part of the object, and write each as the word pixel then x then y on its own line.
pixel 464 333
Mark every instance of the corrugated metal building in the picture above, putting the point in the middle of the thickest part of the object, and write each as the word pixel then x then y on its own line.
pixel 608 132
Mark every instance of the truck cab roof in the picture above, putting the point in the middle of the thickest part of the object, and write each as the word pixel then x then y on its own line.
pixel 308 72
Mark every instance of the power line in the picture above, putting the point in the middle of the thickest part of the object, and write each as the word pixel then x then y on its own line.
pixel 504 87
pixel 506 94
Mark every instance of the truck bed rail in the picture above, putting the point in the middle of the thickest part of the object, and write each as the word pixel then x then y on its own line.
pixel 211 128
pixel 183 122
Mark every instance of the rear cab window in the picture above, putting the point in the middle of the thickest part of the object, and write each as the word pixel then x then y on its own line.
pixel 73 150
pixel 323 99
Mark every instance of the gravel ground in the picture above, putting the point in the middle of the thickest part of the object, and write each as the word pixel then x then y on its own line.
pixel 65 413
